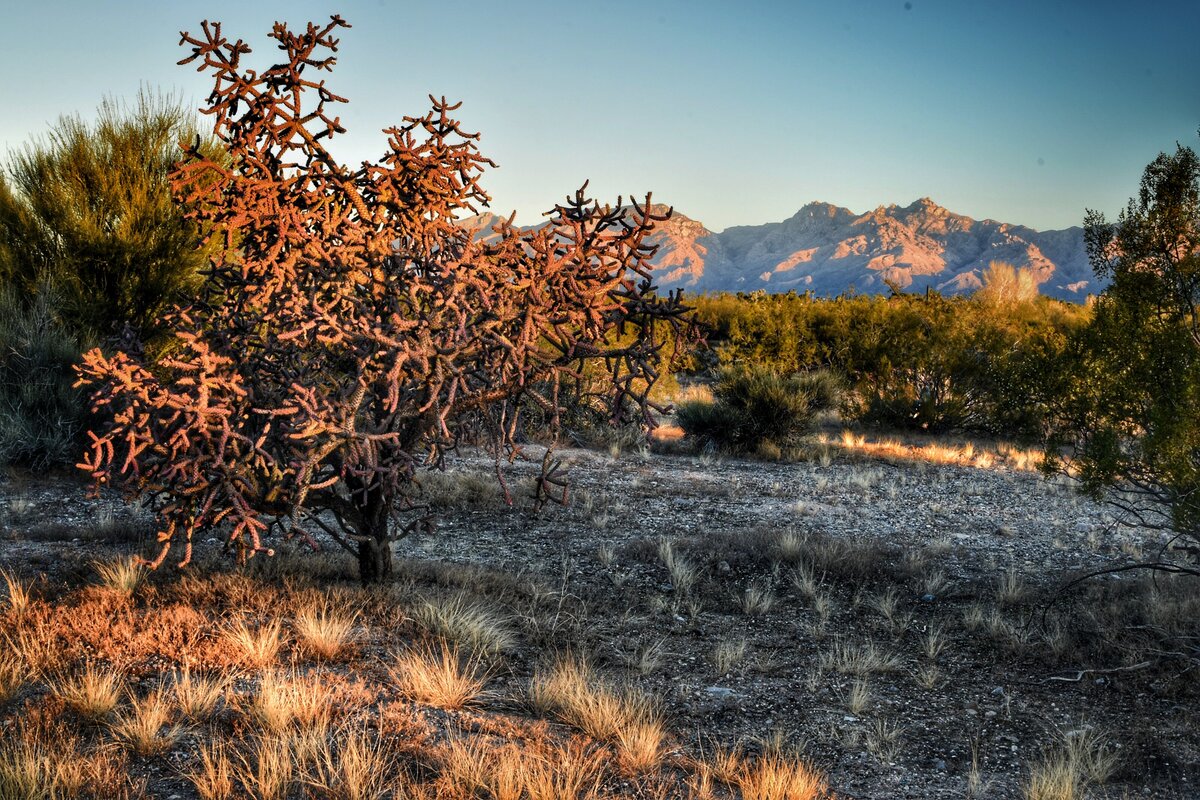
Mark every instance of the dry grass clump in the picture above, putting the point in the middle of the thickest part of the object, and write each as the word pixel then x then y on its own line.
pixel 858 660
pixel 728 654
pixel 269 772
pixel 460 490
pixel 353 764
pixel 772 776
pixel 1081 760
pixel 32 770
pixel 287 699
pixel 322 631
pixel 574 693
pixel 92 693
pixel 466 623
pixel 966 454
pixel 757 599
pixel 197 695
pixel 478 769
pixel 145 727
pixel 12 675
pixel 16 594
pixel 122 576
pixel 213 777
pixel 776 777
pixel 258 647
pixel 438 677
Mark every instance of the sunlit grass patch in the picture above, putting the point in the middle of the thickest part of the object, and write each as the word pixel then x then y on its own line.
pixel 258 647
pixel 322 631
pixel 437 675
pixel 92 692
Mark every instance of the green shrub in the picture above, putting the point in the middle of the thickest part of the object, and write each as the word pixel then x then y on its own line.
pixel 90 207
pixel 993 363
pixel 755 406
pixel 41 413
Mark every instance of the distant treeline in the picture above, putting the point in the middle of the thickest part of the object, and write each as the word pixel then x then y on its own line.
pixel 992 362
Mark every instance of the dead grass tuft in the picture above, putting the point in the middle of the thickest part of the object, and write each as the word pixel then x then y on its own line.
pixel 16 594
pixel 121 577
pixel 353 764
pixel 213 777
pixel 774 776
pixel 437 676
pixel 323 632
pixel 858 660
pixel 197 695
pixel 145 727
pixel 269 773
pixel 92 693
pixel 257 647
pixel 466 623
pixel 287 699
pixel 571 691
pixel 477 769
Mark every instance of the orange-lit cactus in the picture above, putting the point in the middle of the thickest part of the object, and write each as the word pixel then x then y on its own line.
pixel 350 324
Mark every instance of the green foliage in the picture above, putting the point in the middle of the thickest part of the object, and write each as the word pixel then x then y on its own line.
pixel 989 363
pixel 1131 408
pixel 755 407
pixel 90 208
pixel 41 414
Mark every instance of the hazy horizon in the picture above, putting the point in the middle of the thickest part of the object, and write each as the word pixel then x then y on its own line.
pixel 735 116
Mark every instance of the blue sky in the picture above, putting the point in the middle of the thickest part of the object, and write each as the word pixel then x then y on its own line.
pixel 734 112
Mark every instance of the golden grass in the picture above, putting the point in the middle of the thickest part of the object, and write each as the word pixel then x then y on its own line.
pixel 92 693
pixel 145 727
pixel 197 695
pixel 353 764
pixel 212 778
pixel 1053 778
pixel 323 632
pixel 776 777
pixel 16 594
pixel 1064 772
pixel 571 691
pixel 37 771
pixel 287 699
pixel 478 769
pixel 258 647
pixel 967 454
pixel 122 576
pixel 437 676
pixel 269 773
pixel 466 623
pixel 12 675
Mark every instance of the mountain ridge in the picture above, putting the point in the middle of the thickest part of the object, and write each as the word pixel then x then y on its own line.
pixel 828 250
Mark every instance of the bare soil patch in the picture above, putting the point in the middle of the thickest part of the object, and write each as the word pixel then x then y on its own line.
pixel 894 622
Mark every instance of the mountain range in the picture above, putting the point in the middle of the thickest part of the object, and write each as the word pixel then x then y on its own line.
pixel 828 250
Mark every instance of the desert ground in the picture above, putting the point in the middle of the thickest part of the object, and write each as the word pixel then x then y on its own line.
pixel 881 619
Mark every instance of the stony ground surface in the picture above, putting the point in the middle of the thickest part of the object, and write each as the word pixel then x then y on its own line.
pixel 890 619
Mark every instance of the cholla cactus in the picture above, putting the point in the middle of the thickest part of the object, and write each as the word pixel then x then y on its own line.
pixel 350 325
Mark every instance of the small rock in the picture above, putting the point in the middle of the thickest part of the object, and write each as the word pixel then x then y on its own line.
pixel 939 765
pixel 998 691
pixel 720 693
pixel 928 598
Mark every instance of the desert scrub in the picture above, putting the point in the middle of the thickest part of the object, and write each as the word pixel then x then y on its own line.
pixel 755 409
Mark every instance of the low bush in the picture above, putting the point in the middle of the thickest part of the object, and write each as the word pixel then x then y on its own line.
pixel 41 413
pixel 755 407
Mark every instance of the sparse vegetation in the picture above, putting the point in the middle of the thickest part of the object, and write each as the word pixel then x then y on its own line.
pixel 782 604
